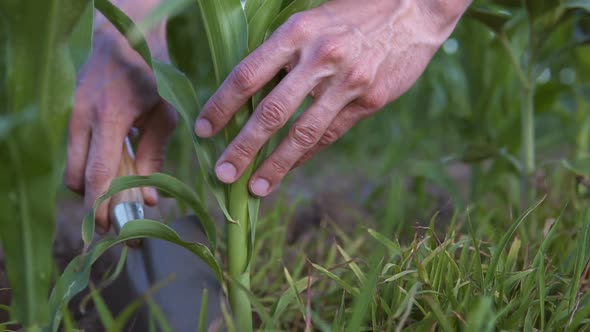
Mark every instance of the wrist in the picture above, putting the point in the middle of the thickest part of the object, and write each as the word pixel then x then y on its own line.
pixel 443 15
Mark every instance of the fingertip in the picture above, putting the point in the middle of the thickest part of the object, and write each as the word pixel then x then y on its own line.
pixel 150 196
pixel 226 172
pixel 260 187
pixel 203 128
pixel 101 215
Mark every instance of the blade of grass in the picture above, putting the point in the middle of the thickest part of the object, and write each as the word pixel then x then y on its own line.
pixel 491 271
pixel 203 311
pixel 106 318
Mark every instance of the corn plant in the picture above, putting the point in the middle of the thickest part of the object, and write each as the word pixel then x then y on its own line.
pixel 224 32
pixel 41 45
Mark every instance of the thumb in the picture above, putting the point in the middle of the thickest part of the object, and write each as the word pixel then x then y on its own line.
pixel 156 131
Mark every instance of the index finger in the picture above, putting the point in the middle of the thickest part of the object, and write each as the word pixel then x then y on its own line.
pixel 243 82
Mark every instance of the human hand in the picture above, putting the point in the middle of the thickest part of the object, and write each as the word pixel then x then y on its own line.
pixel 117 92
pixel 353 57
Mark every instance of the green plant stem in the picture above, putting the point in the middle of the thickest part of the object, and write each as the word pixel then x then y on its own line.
pixel 528 191
pixel 238 233
pixel 583 138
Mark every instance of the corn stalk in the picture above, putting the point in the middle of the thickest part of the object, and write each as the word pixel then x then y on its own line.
pixel 41 46
pixel 206 41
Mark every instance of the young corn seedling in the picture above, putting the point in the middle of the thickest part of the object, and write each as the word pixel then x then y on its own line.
pixel 206 41
pixel 41 46
pixel 230 31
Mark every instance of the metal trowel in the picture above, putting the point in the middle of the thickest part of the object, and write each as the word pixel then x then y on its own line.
pixel 181 276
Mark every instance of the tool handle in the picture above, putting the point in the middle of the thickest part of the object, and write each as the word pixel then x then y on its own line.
pixel 128 204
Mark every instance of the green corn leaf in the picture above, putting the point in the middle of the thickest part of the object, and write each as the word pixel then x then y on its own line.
pixel 189 51
pixel 252 6
pixel 37 78
pixel 227 42
pixel 260 23
pixel 165 183
pixel 80 42
pixel 163 10
pixel 288 11
pixel 177 90
pixel 125 25
pixel 77 274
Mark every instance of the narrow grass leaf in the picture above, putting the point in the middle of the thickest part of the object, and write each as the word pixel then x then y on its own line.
pixel 158 314
pixel 441 318
pixel 297 296
pixel 106 318
pixel 392 246
pixel 352 290
pixel 491 271
pixel 203 311
pixel 288 297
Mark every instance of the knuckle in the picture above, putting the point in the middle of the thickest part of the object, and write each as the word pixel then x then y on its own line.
pixel 97 173
pixel 358 79
pixel 279 166
pixel 244 76
pixel 216 109
pixel 331 51
pixel 272 114
pixel 329 137
pixel 305 136
pixel 243 151
pixel 107 116
pixel 374 100
pixel 298 25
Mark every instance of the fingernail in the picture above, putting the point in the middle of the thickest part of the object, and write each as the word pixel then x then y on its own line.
pixel 226 172
pixel 203 128
pixel 260 187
